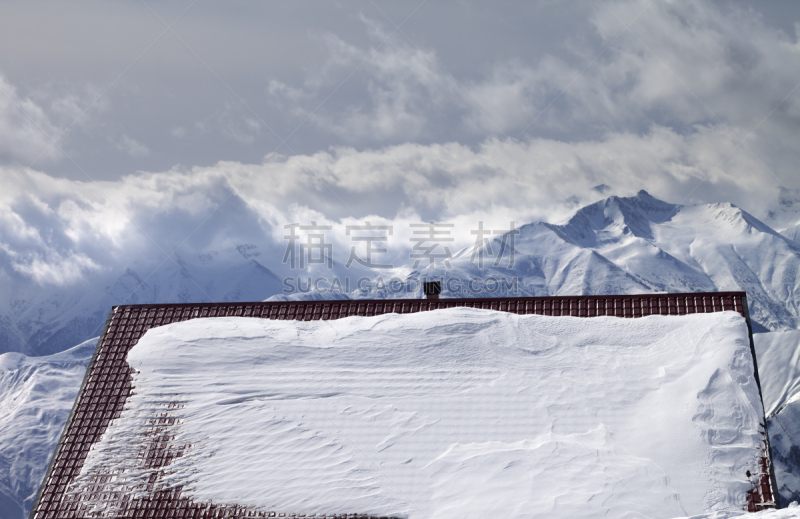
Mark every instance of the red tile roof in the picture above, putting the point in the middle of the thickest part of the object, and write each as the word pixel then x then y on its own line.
pixel 108 383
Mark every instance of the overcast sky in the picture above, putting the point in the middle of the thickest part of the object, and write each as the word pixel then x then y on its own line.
pixel 113 113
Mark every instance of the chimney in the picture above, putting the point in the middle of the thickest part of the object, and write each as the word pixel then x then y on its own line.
pixel 432 289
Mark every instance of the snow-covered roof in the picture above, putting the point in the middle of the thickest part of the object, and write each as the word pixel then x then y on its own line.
pixel 424 415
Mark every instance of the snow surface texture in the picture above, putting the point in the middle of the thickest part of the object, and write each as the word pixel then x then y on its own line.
pixel 615 246
pixel 38 393
pixel 778 356
pixel 791 511
pixel 453 413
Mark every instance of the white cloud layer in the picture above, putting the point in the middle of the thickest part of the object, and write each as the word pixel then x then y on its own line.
pixel 132 147
pixel 684 65
pixel 26 131
pixel 53 230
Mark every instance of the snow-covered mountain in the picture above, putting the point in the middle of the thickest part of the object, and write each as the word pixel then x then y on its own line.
pixel 36 396
pixel 618 245
pixel 778 355
pixel 641 244
pixel 666 247
pixel 42 322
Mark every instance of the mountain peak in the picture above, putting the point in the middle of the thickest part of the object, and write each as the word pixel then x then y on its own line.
pixel 616 216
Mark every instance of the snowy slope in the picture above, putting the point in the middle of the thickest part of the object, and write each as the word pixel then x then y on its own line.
pixel 778 356
pixel 453 413
pixel 792 511
pixel 698 248
pixel 37 396
pixel 42 322
pixel 792 232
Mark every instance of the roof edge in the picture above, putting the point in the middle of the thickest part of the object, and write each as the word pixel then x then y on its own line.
pixel 65 429
pixel 441 300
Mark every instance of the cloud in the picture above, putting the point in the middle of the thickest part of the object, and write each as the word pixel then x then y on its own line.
pixel 54 269
pixel 37 248
pixel 234 122
pixel 688 66
pixel 132 147
pixel 35 128
pixel 57 230
pixel 390 98
pixel 694 63
pixel 26 131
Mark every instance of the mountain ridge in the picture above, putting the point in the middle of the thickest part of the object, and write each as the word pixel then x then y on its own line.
pixel 617 245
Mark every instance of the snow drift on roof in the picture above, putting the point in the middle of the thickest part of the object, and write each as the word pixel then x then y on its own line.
pixel 453 413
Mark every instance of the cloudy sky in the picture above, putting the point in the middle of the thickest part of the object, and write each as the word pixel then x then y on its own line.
pixel 159 125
